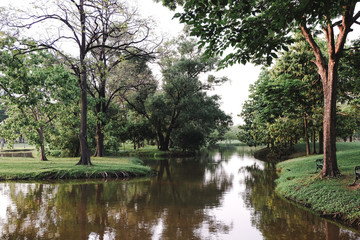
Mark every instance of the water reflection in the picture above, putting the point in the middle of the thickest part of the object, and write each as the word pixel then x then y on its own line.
pixel 223 194
pixel 277 218
pixel 174 200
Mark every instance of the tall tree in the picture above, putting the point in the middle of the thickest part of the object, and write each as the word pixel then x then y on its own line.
pixel 301 86
pixel 256 30
pixel 80 27
pixel 127 36
pixel 172 107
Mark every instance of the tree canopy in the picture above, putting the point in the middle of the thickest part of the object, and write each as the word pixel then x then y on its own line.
pixel 258 30
pixel 285 104
pixel 172 107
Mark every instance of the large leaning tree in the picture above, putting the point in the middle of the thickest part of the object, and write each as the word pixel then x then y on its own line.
pixel 74 29
pixel 257 30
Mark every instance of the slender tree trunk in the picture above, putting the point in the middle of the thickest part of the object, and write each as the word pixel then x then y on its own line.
pixel 100 110
pixel 99 141
pixel 42 145
pixel 84 149
pixel 313 141
pixel 42 153
pixel 306 136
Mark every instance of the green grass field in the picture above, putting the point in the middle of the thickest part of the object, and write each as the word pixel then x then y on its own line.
pixel 15 166
pixel 332 197
pixel 65 168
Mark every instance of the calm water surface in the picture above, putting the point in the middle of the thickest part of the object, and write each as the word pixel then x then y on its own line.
pixel 222 194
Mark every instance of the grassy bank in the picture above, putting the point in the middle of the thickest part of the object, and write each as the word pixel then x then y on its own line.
pixel 332 198
pixel 64 168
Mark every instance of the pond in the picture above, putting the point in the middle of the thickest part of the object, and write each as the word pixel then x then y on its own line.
pixel 222 194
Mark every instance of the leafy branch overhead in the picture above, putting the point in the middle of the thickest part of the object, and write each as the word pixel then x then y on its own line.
pixel 256 31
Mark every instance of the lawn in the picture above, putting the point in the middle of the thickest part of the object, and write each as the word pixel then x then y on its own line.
pixel 65 168
pixel 331 197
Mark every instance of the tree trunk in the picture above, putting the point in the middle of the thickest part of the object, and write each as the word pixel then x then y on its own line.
pixel 306 136
pixel 313 140
pixel 328 73
pixel 99 141
pixel 100 110
pixel 321 142
pixel 163 144
pixel 84 149
pixel 42 144
pixel 329 124
pixel 42 153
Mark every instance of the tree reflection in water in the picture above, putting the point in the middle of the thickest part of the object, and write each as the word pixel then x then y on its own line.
pixel 188 199
pixel 277 218
pixel 174 200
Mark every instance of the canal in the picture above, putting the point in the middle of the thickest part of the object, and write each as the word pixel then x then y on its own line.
pixel 224 193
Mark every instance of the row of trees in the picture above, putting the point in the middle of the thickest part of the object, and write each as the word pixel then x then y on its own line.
pixel 257 31
pixel 286 102
pixel 42 80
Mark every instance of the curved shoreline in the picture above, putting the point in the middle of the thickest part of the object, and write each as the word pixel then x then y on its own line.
pixel 122 166
pixel 332 199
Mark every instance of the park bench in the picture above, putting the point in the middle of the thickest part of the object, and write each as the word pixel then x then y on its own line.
pixel 357 175
pixel 319 164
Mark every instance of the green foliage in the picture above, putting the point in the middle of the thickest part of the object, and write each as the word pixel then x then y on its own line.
pixel 292 90
pixel 170 111
pixel 2 115
pixel 137 130
pixel 283 133
pixel 349 82
pixel 36 90
pixel 347 120
pixel 280 100
pixel 190 137
pixel 64 135
pixel 255 30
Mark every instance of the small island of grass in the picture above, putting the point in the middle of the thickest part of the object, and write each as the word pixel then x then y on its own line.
pixel 64 168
